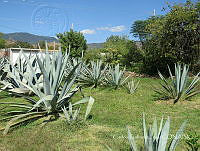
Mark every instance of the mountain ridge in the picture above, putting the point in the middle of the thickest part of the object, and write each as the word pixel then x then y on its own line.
pixel 34 39
pixel 27 37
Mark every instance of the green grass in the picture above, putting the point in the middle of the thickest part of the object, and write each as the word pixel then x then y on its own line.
pixel 112 112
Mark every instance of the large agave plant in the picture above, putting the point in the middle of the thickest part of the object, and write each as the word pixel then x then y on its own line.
pixel 115 77
pixel 12 76
pixel 55 95
pixel 93 74
pixel 155 139
pixel 179 87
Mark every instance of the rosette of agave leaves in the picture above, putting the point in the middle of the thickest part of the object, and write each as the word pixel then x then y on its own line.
pixel 93 74
pixel 11 77
pixel 115 77
pixel 180 86
pixel 54 96
pixel 156 137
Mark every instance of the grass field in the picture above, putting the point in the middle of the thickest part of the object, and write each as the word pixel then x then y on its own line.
pixel 112 112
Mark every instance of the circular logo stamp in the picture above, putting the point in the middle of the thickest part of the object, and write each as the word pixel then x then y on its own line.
pixel 48 20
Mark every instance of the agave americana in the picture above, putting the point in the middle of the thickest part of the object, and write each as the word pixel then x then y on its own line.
pixel 54 96
pixel 155 139
pixel 93 74
pixel 12 77
pixel 115 77
pixel 179 87
pixel 131 86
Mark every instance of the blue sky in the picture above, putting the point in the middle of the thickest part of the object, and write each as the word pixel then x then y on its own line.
pixel 96 19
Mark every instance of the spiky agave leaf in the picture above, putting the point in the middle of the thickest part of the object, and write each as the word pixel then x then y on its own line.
pixel 115 77
pixel 13 72
pixel 72 116
pixel 156 140
pixel 178 88
pixel 132 86
pixel 131 141
pixel 93 74
pixel 177 137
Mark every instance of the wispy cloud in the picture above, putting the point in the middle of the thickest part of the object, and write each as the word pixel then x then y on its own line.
pixel 5 1
pixel 113 29
pixel 39 22
pixel 88 31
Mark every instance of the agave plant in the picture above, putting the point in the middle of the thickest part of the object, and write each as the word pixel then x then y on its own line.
pixel 2 63
pixel 54 96
pixel 115 77
pixel 72 116
pixel 155 139
pixel 12 77
pixel 132 86
pixel 72 62
pixel 93 74
pixel 179 88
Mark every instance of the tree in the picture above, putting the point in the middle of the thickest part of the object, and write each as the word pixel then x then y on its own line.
pixel 75 40
pixel 22 44
pixel 115 48
pixel 93 54
pixel 172 38
pixel 133 54
pixel 2 41
pixel 138 30
pixel 119 49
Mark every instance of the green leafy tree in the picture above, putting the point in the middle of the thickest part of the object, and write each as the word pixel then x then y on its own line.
pixel 133 54
pixel 172 38
pixel 93 55
pixel 22 44
pixel 121 50
pixel 75 40
pixel 138 30
pixel 2 41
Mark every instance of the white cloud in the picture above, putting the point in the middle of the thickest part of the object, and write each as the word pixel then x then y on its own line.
pixel 39 22
pixel 88 31
pixel 5 1
pixel 113 29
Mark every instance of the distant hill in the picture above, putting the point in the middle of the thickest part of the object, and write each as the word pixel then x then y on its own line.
pixel 95 45
pixel 27 37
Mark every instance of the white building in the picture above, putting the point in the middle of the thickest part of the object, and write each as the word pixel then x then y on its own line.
pixel 13 53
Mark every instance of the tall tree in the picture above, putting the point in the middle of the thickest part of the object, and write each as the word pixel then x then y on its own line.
pixel 138 29
pixel 2 41
pixel 75 40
